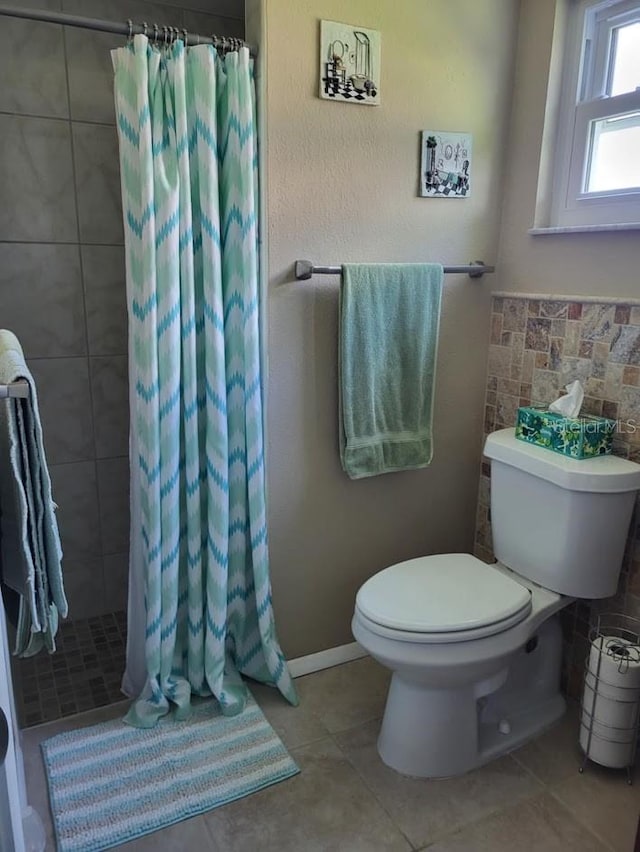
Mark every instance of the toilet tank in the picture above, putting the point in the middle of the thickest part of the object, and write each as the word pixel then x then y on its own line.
pixel 557 521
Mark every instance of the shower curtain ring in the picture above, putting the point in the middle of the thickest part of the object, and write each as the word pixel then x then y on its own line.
pixel 155 35
pixel 164 36
pixel 130 33
pixel 185 36
pixel 145 27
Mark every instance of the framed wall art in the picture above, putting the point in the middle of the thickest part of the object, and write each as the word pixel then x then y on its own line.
pixel 349 63
pixel 445 164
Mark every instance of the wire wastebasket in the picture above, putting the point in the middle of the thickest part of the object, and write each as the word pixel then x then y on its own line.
pixel 610 710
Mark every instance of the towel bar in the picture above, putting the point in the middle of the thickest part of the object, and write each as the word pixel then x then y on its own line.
pixel 305 269
pixel 16 390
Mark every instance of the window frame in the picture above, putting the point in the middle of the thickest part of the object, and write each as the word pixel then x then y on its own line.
pixel 587 77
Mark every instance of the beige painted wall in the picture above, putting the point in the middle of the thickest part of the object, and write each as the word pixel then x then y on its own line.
pixel 588 264
pixel 341 186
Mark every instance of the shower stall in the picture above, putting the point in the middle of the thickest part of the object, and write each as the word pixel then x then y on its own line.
pixel 62 291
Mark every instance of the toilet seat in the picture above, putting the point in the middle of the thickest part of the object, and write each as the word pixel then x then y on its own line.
pixel 452 597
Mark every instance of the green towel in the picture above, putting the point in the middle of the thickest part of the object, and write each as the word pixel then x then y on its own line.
pixel 389 320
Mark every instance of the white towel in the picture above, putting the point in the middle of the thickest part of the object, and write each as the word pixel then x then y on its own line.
pixel 30 541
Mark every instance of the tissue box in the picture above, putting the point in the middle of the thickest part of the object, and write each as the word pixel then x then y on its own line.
pixel 577 437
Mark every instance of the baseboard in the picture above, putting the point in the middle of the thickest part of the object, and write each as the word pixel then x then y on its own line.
pixel 326 659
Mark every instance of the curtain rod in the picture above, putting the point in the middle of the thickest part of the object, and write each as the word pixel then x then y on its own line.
pixel 305 269
pixel 160 34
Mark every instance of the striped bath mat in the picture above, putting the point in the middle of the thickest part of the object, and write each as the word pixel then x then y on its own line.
pixel 112 783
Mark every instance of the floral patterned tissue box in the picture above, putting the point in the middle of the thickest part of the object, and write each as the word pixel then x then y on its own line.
pixel 577 437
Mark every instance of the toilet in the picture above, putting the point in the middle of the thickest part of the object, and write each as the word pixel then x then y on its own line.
pixel 475 649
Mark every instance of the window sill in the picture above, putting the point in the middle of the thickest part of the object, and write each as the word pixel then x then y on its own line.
pixel 583 229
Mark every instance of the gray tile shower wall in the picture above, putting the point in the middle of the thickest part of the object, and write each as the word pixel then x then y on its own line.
pixel 62 280
pixel 538 345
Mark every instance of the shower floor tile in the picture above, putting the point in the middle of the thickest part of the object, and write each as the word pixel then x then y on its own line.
pixel 84 673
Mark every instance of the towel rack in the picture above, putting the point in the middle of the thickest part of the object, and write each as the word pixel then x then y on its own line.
pixel 305 269
pixel 15 390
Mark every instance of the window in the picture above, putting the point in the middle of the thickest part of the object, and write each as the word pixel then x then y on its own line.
pixel 597 177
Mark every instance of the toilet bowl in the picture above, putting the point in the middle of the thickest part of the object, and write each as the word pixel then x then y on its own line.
pixel 446 662
pixel 475 648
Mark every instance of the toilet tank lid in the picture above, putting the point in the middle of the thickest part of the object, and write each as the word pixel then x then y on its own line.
pixel 603 474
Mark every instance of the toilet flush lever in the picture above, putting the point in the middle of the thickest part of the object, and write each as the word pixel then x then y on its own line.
pixel 504 726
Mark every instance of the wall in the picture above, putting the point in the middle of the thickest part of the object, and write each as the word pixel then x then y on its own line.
pixel 589 264
pixel 342 183
pixel 62 285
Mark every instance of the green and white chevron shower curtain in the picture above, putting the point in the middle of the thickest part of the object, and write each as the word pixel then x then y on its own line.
pixel 186 125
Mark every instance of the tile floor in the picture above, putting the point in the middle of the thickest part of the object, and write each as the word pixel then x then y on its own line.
pixel 84 673
pixel 346 800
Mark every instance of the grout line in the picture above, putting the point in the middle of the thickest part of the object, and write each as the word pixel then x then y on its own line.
pixel 54 465
pixel 505 810
pixel 65 118
pixel 574 816
pixel 298 746
pixel 84 461
pixel 184 9
pixel 77 242
pixel 526 768
pixel 85 357
pixel 64 719
pixel 369 789
pixel 354 727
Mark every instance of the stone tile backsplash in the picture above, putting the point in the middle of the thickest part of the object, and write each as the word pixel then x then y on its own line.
pixel 538 345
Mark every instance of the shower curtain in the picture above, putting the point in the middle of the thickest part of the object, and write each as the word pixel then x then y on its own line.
pixel 200 609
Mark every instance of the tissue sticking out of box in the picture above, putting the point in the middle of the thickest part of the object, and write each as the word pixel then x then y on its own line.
pixel 570 403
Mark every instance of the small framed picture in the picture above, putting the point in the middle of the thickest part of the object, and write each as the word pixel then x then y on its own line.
pixel 349 64
pixel 445 164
